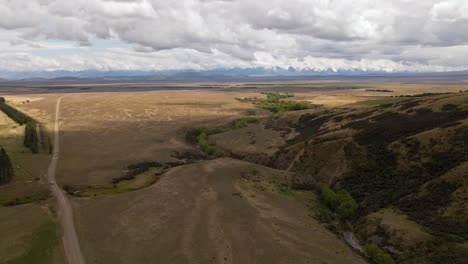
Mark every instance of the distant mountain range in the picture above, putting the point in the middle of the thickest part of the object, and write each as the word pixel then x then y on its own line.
pixel 192 75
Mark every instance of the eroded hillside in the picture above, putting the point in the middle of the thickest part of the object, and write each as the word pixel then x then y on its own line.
pixel 405 163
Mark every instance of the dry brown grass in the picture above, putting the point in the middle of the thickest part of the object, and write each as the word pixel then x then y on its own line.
pixel 202 212
pixel 194 213
pixel 104 132
pixel 402 229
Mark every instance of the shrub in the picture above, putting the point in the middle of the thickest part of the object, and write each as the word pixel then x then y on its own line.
pixel 283 106
pixel 347 206
pixel 329 197
pixel 377 255
pixel 274 104
pixel 341 203
pixel 244 121
pixel 202 141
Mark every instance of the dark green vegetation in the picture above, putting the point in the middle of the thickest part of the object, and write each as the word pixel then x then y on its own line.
pixel 380 181
pixel 14 114
pixel 202 141
pixel 340 202
pixel 30 135
pixel 200 135
pixel 6 168
pixel 275 104
pixel 135 169
pixel 379 90
pixel 240 123
pixel 135 177
pixel 41 250
pixel 377 255
pixel 30 198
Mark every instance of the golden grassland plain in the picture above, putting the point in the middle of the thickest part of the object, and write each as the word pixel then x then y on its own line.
pixel 105 132
pixel 102 133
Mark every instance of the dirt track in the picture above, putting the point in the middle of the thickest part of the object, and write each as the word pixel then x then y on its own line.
pixel 70 240
pixel 205 213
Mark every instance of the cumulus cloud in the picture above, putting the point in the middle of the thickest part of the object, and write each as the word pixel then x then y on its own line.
pixel 393 35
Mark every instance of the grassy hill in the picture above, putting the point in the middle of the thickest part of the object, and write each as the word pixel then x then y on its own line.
pixel 405 163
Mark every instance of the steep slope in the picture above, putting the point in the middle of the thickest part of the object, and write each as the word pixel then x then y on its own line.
pixel 405 161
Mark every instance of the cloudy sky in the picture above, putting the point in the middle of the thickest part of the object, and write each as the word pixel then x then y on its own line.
pixel 389 35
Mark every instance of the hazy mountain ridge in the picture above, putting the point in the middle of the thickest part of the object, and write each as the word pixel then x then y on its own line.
pixel 174 75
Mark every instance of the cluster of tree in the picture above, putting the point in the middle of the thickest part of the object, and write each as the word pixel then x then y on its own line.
pixel 30 133
pixel 202 141
pixel 274 104
pixel 6 168
pixel 14 114
pixel 379 90
pixel 30 137
pixel 277 96
pixel 377 255
pixel 340 202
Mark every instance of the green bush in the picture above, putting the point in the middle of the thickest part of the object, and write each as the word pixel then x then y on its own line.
pixel 202 141
pixel 328 196
pixel 278 96
pixel 347 206
pixel 274 104
pixel 244 121
pixel 377 255
pixel 283 106
pixel 341 203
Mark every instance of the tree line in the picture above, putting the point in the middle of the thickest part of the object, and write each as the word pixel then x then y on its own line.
pixel 30 137
pixel 14 114
pixel 30 134
pixel 6 167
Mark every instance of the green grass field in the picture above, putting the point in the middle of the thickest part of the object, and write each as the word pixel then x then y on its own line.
pixel 42 247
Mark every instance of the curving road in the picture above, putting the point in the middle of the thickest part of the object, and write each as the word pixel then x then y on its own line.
pixel 70 240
